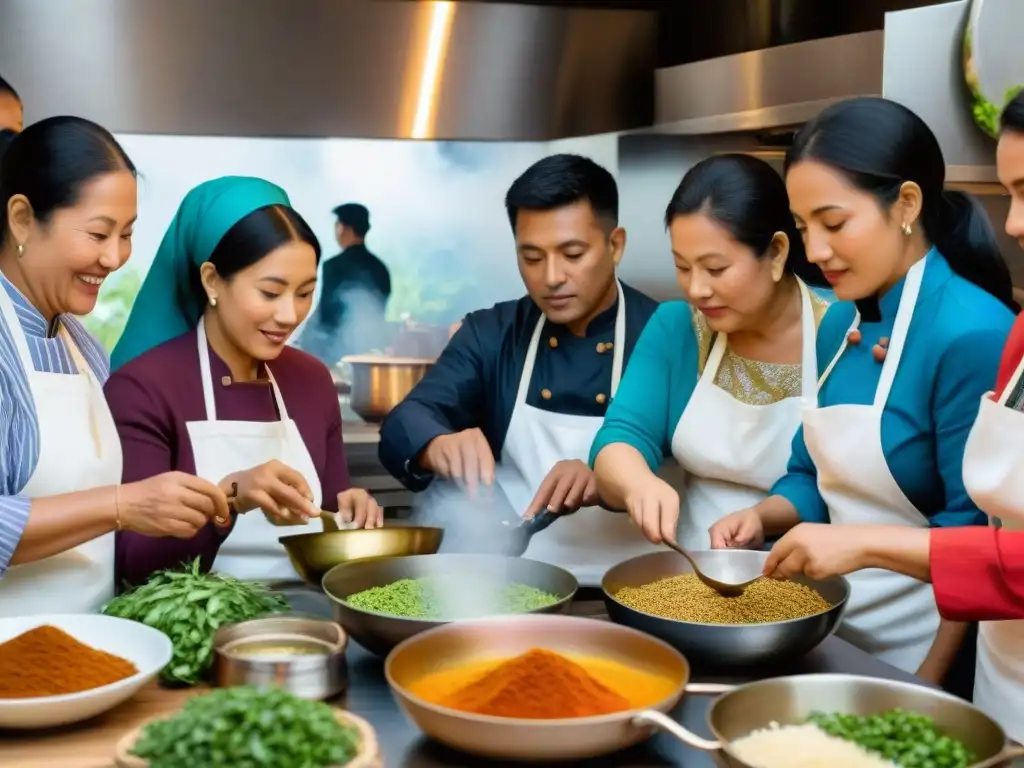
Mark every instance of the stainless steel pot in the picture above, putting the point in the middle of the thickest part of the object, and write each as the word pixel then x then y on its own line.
pixel 380 382
pixel 791 700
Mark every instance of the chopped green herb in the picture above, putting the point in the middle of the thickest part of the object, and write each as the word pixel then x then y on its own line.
pixel 908 739
pixel 248 726
pixel 432 598
pixel 189 607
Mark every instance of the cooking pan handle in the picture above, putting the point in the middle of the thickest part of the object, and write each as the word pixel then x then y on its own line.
pixel 650 717
pixel 1007 754
pixel 708 689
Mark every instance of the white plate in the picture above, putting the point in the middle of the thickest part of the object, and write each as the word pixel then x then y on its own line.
pixel 148 649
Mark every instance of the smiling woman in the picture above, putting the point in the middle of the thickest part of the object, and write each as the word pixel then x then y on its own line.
pixel 206 385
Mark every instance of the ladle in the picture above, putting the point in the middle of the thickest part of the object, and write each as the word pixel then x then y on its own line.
pixel 733 576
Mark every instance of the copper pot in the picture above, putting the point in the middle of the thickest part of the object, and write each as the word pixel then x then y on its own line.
pixel 380 382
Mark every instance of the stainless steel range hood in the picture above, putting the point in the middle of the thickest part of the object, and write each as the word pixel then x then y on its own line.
pixel 332 68
pixel 768 93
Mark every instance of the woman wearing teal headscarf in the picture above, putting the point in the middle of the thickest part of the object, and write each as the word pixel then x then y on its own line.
pixel 204 382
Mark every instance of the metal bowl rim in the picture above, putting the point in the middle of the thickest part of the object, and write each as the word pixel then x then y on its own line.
pixel 838 678
pixel 609 596
pixel 338 648
pixel 432 623
pixel 295 537
pixel 671 700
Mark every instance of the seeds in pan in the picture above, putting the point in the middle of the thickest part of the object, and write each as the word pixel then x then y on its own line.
pixel 686 598
pixel 449 599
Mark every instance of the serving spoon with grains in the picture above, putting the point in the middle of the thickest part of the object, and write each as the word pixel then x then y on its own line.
pixel 733 576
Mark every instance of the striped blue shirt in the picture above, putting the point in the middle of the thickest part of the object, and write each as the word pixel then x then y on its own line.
pixel 19 430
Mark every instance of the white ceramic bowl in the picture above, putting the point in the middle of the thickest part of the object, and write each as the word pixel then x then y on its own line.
pixel 147 648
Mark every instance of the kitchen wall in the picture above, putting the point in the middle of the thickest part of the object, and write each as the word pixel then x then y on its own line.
pixel 437 209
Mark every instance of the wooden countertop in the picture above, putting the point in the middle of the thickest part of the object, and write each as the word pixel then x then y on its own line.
pixel 90 744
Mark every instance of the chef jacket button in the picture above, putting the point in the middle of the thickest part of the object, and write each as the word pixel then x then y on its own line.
pixel 226 381
pixel 546 394
pixel 600 347
pixel 854 337
pixel 600 399
pixel 552 342
pixel 879 352
pixel 608 346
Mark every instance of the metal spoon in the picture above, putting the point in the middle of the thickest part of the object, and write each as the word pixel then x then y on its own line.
pixel 524 531
pixel 734 577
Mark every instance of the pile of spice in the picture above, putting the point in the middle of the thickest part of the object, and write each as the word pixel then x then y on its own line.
pixel 189 606
pixel 686 598
pixel 538 685
pixel 47 661
pixel 249 726
pixel 449 599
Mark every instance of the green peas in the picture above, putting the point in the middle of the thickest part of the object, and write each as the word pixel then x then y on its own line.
pixel 908 739
pixel 440 599
pixel 248 727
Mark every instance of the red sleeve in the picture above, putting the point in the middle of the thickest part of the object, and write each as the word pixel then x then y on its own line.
pixel 1012 353
pixel 978 573
pixel 335 479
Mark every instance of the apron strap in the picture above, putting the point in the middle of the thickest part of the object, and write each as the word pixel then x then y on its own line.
pixel 94 385
pixel 17 332
pixel 618 350
pixel 282 411
pixel 204 371
pixel 809 353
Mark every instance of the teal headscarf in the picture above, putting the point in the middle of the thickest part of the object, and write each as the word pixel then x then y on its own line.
pixel 168 303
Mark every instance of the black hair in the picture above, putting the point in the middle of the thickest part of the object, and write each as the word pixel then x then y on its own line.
pixel 354 216
pixel 249 240
pixel 878 145
pixel 7 88
pixel 50 161
pixel 1012 118
pixel 561 180
pixel 746 196
pixel 6 137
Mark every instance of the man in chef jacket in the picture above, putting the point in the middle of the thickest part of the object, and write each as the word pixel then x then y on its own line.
pixel 501 426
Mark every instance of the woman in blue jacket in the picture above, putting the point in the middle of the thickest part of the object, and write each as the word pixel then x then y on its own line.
pixel 906 355
pixel 717 382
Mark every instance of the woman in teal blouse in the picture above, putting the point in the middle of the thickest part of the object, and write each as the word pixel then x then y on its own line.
pixel 906 355
pixel 716 382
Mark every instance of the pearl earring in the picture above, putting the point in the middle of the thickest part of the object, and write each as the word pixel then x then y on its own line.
pixel 213 301
pixel 907 230
pixel 21 250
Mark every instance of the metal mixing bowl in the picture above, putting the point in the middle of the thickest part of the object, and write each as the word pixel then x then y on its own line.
pixel 505 738
pixel 379 633
pixel 790 700
pixel 314 554
pixel 723 645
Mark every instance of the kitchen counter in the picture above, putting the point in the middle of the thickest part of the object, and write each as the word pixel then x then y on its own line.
pixel 91 745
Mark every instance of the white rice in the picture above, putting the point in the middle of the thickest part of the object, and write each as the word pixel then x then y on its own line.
pixel 802 746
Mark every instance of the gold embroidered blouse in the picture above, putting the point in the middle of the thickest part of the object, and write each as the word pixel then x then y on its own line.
pixel 751 381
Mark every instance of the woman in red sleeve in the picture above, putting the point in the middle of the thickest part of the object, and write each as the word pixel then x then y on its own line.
pixel 977 573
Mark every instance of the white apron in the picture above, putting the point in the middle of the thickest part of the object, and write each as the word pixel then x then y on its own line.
pixel 734 452
pixel 592 540
pixel 994 479
pixel 252 550
pixel 891 616
pixel 79 450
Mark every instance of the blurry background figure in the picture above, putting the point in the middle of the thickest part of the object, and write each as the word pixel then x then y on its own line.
pixel 355 287
pixel 11 116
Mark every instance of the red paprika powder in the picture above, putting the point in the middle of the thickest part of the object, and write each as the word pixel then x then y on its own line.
pixel 540 685
pixel 47 661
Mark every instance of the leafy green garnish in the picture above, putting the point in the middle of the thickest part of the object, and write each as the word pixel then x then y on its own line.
pixel 248 726
pixel 189 607
pixel 907 739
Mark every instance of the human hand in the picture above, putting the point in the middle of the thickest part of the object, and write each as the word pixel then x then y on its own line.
pixel 276 489
pixel 172 504
pixel 739 530
pixel 357 506
pixel 463 456
pixel 654 507
pixel 568 486
pixel 818 551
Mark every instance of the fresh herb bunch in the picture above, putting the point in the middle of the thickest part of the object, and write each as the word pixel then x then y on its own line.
pixel 189 607
pixel 906 738
pixel 248 726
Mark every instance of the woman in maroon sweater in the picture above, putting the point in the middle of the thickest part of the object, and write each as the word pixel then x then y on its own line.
pixel 205 384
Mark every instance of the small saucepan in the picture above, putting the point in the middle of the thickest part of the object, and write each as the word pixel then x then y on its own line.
pixel 380 382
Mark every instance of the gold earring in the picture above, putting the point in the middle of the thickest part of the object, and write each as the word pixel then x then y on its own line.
pixel 907 230
pixel 213 301
pixel 21 250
